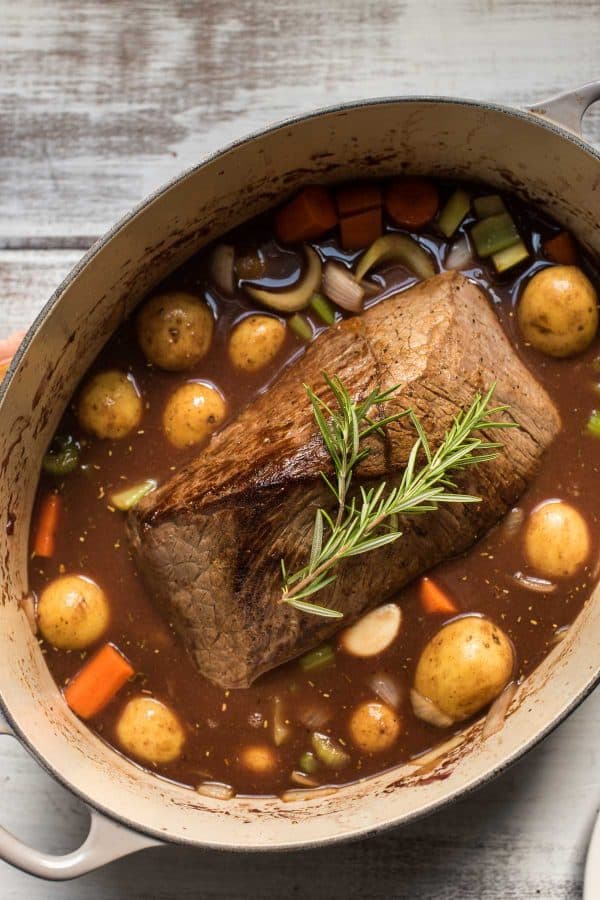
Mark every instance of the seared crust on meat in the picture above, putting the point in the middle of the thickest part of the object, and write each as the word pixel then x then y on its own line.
pixel 210 539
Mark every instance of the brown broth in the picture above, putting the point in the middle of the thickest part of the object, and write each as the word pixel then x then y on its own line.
pixel 218 723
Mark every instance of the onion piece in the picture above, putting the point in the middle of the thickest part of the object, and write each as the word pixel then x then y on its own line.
pixel 340 285
pixel 559 635
pixel 27 604
pixel 494 721
pixel 531 583
pixel 460 255
pixel 387 689
pixel 314 716
pixel 221 268
pixel 300 795
pixel 374 632
pixel 425 709
pixel 397 248
pixel 216 790
pixel 303 779
pixel 424 760
pixel 297 297
pixel 513 522
pixel 281 731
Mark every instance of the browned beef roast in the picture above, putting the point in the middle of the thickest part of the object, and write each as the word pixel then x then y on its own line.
pixel 209 541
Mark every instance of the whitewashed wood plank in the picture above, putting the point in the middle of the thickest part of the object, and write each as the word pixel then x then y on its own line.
pixel 27 280
pixel 101 103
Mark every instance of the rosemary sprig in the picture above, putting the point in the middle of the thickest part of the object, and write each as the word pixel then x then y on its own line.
pixel 370 520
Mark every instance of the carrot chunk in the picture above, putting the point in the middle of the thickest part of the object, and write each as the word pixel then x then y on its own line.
pixel 561 249
pixel 434 600
pixel 45 536
pixel 412 202
pixel 356 198
pixel 361 229
pixel 308 216
pixel 94 686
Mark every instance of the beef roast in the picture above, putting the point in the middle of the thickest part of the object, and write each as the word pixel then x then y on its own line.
pixel 209 541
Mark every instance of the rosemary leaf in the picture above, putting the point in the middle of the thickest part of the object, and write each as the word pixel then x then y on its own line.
pixel 371 519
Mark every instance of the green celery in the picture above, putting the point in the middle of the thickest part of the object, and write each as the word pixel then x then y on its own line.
pixel 317 659
pixel 491 205
pixel 593 424
pixel 494 234
pixel 323 308
pixel 511 256
pixel 454 212
pixel 301 327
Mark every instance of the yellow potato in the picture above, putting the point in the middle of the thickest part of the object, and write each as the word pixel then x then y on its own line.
pixel 465 666
pixel 150 731
pixel 109 405
pixel 374 727
pixel 192 413
pixel 259 758
pixel 558 311
pixel 175 330
pixel 255 342
pixel 72 612
pixel 557 539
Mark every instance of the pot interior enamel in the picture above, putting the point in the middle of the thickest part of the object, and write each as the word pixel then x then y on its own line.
pixel 511 150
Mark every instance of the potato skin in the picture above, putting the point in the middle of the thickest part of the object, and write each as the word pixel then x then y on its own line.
pixel 72 612
pixel 150 731
pixel 192 413
pixel 255 342
pixel 374 727
pixel 465 666
pixel 175 330
pixel 557 539
pixel 558 311
pixel 109 405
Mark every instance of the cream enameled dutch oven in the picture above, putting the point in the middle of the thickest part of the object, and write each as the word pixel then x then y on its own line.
pixel 523 151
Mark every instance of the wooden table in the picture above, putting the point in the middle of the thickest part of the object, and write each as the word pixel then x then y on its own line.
pixel 99 104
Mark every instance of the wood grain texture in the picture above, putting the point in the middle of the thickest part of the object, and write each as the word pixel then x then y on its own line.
pixel 102 102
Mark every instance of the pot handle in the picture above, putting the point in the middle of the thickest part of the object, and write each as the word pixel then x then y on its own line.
pixel 569 108
pixel 105 842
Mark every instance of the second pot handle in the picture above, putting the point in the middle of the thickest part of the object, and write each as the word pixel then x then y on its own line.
pixel 105 842
pixel 568 109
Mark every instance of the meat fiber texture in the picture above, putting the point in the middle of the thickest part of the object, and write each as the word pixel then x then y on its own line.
pixel 210 540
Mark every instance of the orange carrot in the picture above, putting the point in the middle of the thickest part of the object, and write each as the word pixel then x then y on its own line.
pixel 96 684
pixel 308 216
pixel 8 348
pixel 361 229
pixel 356 198
pixel 412 202
pixel 434 600
pixel 561 249
pixel 45 536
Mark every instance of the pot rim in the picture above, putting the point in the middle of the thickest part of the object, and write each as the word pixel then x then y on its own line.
pixel 458 793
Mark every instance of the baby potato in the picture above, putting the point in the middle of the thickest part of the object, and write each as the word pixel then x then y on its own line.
pixel 150 731
pixel 374 727
pixel 192 413
pixel 72 612
pixel 558 311
pixel 259 758
pixel 109 405
pixel 465 666
pixel 255 341
pixel 175 330
pixel 557 539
